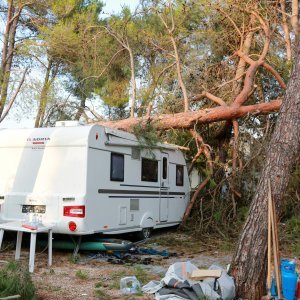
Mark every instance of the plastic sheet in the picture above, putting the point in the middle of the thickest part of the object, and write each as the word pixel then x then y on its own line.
pixel 179 272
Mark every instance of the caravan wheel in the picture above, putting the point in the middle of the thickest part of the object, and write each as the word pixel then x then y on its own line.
pixel 144 233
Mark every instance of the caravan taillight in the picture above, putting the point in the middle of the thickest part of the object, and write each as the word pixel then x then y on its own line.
pixel 74 211
pixel 72 226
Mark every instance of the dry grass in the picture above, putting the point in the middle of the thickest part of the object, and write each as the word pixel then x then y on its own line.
pixel 98 279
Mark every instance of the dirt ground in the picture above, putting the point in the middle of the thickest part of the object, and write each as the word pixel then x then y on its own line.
pixel 93 277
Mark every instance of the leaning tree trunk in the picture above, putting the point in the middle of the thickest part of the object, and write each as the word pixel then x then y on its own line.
pixel 249 262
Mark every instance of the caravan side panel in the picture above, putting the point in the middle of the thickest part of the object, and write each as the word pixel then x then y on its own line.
pixel 129 204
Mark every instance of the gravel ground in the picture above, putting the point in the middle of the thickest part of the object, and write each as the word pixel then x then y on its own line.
pixel 98 279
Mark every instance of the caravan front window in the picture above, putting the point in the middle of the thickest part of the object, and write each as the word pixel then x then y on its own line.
pixel 179 175
pixel 165 168
pixel 117 167
pixel 149 170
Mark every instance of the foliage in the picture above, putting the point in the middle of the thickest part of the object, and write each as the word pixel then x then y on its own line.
pixel 291 235
pixel 116 112
pixel 291 203
pixel 15 279
pixel 101 294
pixel 81 274
pixel 147 137
pixel 115 277
pixel 96 63
pixel 94 60
pixel 74 259
pixel 142 276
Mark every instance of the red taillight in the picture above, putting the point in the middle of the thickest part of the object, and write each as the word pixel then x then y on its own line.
pixel 74 211
pixel 72 226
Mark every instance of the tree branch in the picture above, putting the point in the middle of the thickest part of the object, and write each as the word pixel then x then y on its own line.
pixel 160 74
pixel 14 96
pixel 206 152
pixel 269 68
pixel 190 119
pixel 210 97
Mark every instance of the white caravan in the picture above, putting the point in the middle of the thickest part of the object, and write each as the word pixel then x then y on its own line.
pixel 88 179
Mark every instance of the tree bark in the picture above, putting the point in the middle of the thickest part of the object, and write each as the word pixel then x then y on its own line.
pixel 123 41
pixel 133 82
pixel 43 97
pixel 249 262
pixel 13 97
pixel 80 109
pixel 190 119
pixel 5 38
pixel 286 32
pixel 179 75
pixel 6 62
pixel 170 30
pixel 241 67
pixel 13 15
pixel 295 19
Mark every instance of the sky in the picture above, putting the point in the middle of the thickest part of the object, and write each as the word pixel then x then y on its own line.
pixel 111 6
pixel 114 6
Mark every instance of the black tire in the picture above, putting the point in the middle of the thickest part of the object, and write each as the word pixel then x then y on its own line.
pixel 144 234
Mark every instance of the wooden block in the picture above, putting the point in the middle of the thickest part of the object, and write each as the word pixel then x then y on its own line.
pixel 203 274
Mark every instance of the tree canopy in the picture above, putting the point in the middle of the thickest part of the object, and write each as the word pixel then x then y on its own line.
pixel 207 75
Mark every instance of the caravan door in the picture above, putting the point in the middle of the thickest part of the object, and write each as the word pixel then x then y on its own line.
pixel 164 188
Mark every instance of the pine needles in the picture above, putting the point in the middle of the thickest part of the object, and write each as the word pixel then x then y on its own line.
pixel 15 279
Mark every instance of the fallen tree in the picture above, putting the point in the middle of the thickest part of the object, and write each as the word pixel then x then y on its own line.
pixel 249 263
pixel 223 112
pixel 189 119
pixel 248 266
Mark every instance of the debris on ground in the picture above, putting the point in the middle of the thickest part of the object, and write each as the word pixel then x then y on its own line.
pixel 89 275
pixel 132 256
pixel 178 284
pixel 129 285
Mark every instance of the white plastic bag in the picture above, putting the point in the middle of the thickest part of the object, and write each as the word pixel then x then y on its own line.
pixel 129 285
pixel 179 271
pixel 152 287
pixel 225 282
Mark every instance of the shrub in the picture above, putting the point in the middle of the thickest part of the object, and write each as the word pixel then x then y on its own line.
pixel 15 279
pixel 81 274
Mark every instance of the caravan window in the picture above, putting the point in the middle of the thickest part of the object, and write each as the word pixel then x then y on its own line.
pixel 179 175
pixel 117 167
pixel 149 170
pixel 165 168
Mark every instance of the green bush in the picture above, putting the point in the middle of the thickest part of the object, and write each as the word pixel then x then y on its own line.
pixel 81 274
pixel 292 233
pixel 15 279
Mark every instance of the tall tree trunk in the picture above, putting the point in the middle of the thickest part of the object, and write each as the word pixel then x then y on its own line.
pixel 179 75
pixel 5 39
pixel 241 67
pixel 13 15
pixel 123 41
pixel 249 262
pixel 43 97
pixel 171 29
pixel 295 20
pixel 7 60
pixel 81 108
pixel 133 83
pixel 286 32
pixel 236 90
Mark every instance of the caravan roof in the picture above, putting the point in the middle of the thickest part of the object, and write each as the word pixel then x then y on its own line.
pixel 67 136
